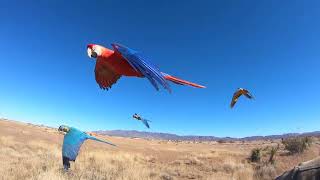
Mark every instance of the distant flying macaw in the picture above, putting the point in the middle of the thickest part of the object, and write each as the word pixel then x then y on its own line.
pixel 238 93
pixel 72 142
pixel 144 121
pixel 123 61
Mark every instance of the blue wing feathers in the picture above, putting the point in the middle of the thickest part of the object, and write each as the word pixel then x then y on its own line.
pixel 159 75
pixel 150 73
pixel 72 142
pixel 145 122
pixel 140 64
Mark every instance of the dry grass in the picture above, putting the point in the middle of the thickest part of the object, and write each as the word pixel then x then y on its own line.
pixel 29 152
pixel 41 160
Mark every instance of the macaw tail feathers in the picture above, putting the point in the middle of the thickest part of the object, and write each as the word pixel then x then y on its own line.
pixel 147 120
pixel 181 81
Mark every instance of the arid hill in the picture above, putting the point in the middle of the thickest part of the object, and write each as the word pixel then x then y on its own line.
pixel 174 137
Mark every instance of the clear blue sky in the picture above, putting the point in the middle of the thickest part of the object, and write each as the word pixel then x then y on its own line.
pixel 269 47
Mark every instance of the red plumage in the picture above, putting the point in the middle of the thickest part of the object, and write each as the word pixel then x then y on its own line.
pixel 111 65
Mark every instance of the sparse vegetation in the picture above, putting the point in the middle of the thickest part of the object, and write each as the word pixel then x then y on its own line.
pixel 33 152
pixel 40 160
pixel 308 141
pixel 255 155
pixel 221 141
pixel 272 153
pixel 297 144
pixel 265 172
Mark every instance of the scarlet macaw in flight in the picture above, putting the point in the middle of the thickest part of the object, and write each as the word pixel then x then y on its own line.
pixel 123 61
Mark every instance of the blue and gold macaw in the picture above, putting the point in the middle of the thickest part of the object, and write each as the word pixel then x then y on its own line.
pixel 139 118
pixel 72 142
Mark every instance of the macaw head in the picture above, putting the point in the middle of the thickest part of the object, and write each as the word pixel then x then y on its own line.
pixel 64 128
pixel 136 116
pixel 94 50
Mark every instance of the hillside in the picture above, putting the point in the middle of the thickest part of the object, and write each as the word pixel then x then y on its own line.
pixel 174 137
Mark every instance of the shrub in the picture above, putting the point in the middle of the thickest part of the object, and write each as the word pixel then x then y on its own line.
pixel 221 141
pixel 297 144
pixel 307 140
pixel 255 155
pixel 272 153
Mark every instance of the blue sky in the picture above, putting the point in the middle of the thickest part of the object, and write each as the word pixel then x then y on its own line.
pixel 268 47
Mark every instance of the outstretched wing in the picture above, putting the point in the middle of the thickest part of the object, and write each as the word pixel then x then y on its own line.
pixel 145 122
pixel 235 98
pixel 140 64
pixel 248 95
pixel 105 76
pixel 99 140
pixel 71 144
pixel 73 141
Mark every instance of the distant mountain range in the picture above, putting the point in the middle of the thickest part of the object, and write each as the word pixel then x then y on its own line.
pixel 168 136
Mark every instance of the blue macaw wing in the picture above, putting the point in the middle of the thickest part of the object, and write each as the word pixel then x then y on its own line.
pixel 72 143
pixel 145 122
pixel 140 64
pixel 99 140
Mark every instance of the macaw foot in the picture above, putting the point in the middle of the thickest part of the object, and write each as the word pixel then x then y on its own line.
pixel 66 163
pixel 66 168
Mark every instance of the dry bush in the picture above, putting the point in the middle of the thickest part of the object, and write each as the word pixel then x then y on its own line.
pixel 255 155
pixel 297 144
pixel 307 140
pixel 272 153
pixel 221 141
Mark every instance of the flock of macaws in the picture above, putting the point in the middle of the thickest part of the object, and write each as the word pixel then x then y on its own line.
pixel 110 66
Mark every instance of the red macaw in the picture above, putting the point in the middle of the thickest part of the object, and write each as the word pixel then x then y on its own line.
pixel 122 61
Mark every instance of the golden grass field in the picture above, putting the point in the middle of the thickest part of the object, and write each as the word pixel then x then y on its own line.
pixel 34 152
